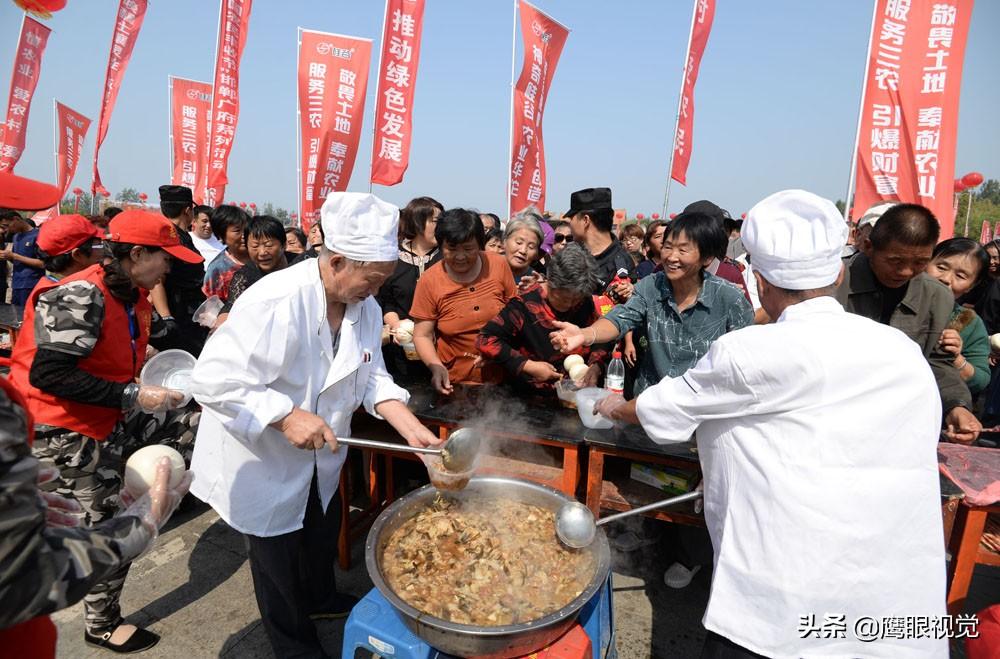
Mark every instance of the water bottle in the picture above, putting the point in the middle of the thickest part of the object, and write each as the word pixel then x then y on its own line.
pixel 614 381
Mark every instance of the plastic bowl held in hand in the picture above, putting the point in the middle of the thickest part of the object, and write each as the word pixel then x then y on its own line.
pixel 585 401
pixel 206 314
pixel 410 351
pixel 170 369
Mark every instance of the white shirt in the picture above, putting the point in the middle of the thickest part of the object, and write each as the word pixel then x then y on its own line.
pixel 274 352
pixel 208 249
pixel 817 437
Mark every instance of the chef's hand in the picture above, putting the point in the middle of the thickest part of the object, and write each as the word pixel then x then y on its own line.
pixel 567 338
pixel 961 426
pixel 540 371
pixel 950 342
pixel 421 436
pixel 59 511
pixel 153 399
pixel 307 431
pixel 440 380
pixel 607 406
pixel 591 377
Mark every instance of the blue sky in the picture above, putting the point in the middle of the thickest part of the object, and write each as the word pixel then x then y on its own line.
pixel 776 102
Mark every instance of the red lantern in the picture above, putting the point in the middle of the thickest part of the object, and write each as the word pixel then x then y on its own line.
pixel 656 216
pixel 959 186
pixel 243 204
pixel 673 215
pixel 77 191
pixel 253 206
pixel 639 216
pixel 743 216
pixel 972 179
pixel 41 8
pixel 143 196
pixel 294 215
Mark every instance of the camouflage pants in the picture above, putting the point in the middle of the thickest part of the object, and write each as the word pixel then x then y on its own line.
pixel 90 472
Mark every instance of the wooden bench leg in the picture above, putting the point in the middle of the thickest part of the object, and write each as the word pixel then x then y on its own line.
pixel 595 479
pixel 344 534
pixel 571 470
pixel 964 547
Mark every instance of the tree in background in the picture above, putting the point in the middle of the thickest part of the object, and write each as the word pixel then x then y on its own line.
pixel 269 209
pixel 66 205
pixel 128 196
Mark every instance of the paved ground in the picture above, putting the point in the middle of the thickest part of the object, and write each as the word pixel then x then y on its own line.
pixel 195 590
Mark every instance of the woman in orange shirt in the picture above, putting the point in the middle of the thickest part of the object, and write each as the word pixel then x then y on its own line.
pixel 454 300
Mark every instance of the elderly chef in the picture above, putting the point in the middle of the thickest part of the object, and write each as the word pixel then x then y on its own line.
pixel 817 436
pixel 279 381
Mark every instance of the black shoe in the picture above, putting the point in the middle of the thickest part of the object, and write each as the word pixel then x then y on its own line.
pixel 339 606
pixel 140 640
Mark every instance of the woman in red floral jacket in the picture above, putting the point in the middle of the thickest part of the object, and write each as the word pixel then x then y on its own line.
pixel 518 337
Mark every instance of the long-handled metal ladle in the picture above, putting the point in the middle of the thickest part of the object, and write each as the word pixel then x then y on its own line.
pixel 576 527
pixel 457 455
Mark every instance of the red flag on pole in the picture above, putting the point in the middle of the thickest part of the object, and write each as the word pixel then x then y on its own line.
pixel 333 80
pixel 397 81
pixel 543 39
pixel 190 114
pixel 985 235
pixel 234 18
pixel 701 27
pixel 996 231
pixel 27 67
pixel 72 127
pixel 909 112
pixel 128 22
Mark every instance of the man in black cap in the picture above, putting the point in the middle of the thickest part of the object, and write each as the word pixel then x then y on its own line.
pixel 722 266
pixel 591 219
pixel 179 295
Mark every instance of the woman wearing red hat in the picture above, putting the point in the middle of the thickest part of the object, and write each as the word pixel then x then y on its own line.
pixel 77 371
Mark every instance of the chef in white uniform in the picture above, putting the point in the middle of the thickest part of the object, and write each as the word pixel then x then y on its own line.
pixel 817 436
pixel 279 381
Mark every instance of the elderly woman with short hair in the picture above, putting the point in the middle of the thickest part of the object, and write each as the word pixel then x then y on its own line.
pixel 518 338
pixel 522 241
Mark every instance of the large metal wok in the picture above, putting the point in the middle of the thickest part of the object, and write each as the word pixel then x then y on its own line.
pixel 471 640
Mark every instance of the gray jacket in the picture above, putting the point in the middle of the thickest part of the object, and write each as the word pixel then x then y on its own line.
pixel 922 315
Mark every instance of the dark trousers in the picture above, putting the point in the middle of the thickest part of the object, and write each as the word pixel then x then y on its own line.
pixel 293 577
pixel 720 647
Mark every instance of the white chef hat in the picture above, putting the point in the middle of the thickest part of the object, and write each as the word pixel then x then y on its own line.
pixel 872 214
pixel 360 226
pixel 795 240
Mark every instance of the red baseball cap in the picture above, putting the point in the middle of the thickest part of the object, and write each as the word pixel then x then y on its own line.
pixel 141 227
pixel 64 233
pixel 23 194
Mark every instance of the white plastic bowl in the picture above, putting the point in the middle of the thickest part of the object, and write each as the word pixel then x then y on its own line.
pixel 585 401
pixel 170 369
pixel 206 314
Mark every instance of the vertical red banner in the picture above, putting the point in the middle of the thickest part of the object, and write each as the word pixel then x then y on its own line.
pixel 701 27
pixel 397 81
pixel 333 80
pixel 128 22
pixel 72 130
pixel 190 115
pixel 27 68
pixel 986 233
pixel 234 19
pixel 543 39
pixel 909 115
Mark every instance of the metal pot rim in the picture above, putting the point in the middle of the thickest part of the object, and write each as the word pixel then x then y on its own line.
pixel 600 548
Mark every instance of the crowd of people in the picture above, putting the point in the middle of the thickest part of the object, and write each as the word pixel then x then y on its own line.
pixel 313 325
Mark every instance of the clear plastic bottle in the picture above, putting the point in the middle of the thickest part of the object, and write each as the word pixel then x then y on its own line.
pixel 614 381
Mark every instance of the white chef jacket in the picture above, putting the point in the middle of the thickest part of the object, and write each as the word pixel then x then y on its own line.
pixel 275 352
pixel 817 437
pixel 208 249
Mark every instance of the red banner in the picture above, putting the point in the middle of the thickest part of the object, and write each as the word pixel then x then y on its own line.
pixel 404 20
pixel 543 40
pixel 333 80
pixel 128 22
pixel 701 27
pixel 27 67
pixel 986 234
pixel 72 127
pixel 190 116
pixel 909 115
pixel 234 18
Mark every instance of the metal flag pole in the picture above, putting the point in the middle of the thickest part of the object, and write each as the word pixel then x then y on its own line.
pixel 381 48
pixel 861 108
pixel 55 149
pixel 170 126
pixel 677 117
pixel 298 132
pixel 510 144
pixel 968 210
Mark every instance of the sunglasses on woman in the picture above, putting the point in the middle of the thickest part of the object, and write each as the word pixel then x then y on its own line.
pixel 558 238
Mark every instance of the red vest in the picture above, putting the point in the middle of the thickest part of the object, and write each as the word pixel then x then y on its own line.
pixel 113 358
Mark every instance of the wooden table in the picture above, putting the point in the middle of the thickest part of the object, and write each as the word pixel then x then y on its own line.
pixel 611 488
